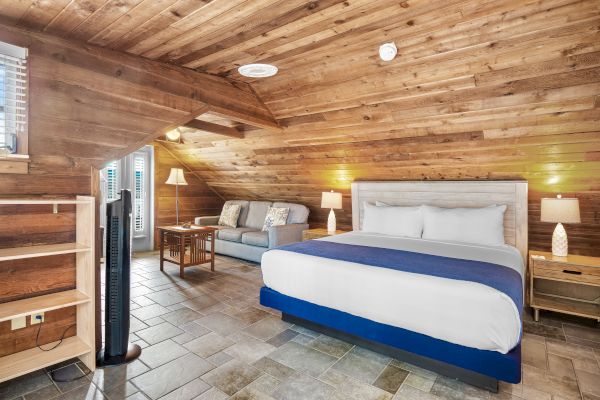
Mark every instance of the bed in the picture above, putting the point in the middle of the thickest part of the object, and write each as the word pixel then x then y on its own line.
pixel 445 320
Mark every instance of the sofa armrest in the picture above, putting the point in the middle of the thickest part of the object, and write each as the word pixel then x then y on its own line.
pixel 285 234
pixel 206 221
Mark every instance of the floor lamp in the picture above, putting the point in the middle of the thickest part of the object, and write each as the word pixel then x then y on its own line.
pixel 176 178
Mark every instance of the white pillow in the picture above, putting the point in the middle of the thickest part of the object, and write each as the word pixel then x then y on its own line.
pixel 472 225
pixel 396 221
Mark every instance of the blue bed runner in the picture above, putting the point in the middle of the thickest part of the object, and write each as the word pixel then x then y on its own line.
pixel 499 277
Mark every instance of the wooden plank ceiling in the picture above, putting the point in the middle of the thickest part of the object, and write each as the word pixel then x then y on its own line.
pixel 488 89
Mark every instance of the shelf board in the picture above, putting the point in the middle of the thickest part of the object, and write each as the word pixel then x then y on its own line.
pixel 40 201
pixel 30 360
pixel 16 253
pixel 568 306
pixel 48 302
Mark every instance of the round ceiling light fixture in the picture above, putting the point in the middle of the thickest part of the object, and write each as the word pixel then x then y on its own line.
pixel 173 135
pixel 257 70
pixel 388 51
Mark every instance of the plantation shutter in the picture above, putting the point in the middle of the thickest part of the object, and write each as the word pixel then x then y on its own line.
pixel 112 181
pixel 13 95
pixel 139 165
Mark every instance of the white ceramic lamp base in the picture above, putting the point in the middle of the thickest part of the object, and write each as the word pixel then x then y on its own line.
pixel 560 244
pixel 331 222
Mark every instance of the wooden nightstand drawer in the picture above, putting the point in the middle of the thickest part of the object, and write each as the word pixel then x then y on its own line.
pixel 569 273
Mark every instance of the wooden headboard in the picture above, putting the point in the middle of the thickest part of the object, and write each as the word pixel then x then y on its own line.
pixel 451 194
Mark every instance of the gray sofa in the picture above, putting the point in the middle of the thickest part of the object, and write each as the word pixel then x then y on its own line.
pixel 248 241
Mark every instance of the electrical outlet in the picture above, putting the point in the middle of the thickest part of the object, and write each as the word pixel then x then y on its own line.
pixel 17 323
pixel 35 319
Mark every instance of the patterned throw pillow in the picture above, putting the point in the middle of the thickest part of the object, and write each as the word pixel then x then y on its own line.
pixel 229 215
pixel 275 217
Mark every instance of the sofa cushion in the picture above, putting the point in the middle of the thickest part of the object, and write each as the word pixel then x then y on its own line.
pixel 243 212
pixel 233 234
pixel 257 211
pixel 298 213
pixel 257 238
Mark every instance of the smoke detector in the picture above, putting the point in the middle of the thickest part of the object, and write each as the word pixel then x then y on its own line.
pixel 388 51
pixel 257 70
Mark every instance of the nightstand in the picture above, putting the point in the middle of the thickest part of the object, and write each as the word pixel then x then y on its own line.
pixel 318 233
pixel 570 270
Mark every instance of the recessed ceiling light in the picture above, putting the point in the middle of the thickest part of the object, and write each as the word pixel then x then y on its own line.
pixel 388 51
pixel 257 70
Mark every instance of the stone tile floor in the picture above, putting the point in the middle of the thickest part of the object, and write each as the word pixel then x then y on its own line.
pixel 206 337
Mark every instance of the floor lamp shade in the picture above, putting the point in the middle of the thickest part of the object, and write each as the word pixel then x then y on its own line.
pixel 332 200
pixel 560 210
pixel 177 178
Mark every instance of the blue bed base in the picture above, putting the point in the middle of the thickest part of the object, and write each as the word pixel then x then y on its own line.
pixel 492 364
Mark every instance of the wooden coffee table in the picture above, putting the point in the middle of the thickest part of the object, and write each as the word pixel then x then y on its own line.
pixel 187 247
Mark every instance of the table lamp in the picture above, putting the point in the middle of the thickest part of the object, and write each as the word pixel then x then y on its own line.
pixel 561 211
pixel 332 200
pixel 176 178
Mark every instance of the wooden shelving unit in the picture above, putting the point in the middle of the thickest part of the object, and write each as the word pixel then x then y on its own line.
pixel 82 344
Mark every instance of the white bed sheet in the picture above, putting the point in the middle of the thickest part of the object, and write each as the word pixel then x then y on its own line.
pixel 460 312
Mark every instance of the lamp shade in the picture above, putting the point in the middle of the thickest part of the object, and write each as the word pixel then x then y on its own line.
pixel 331 200
pixel 560 210
pixel 176 177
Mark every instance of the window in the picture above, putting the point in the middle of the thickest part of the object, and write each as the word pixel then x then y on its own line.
pixel 139 178
pixel 134 173
pixel 13 99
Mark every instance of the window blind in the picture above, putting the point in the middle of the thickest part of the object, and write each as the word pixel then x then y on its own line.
pixel 13 95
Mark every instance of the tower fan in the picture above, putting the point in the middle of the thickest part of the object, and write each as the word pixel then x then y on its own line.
pixel 117 349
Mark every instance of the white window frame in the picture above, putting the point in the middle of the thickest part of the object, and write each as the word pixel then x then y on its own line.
pixel 9 51
pixel 145 189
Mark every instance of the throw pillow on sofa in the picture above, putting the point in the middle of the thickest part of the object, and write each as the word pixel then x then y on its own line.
pixel 229 215
pixel 275 217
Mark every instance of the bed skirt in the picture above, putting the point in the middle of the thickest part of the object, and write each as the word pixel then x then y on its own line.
pixel 437 353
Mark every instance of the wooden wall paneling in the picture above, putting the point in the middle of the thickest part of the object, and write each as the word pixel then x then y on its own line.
pixel 195 200
pixel 55 324
pixel 37 276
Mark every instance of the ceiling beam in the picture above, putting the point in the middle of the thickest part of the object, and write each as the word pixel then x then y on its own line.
pixel 215 128
pixel 160 132
pixel 184 89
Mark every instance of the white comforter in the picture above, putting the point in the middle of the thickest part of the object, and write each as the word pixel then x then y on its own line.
pixel 460 312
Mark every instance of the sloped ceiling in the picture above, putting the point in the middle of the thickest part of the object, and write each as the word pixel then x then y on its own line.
pixel 498 89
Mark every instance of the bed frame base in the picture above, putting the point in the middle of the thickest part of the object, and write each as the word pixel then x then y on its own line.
pixel 442 368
